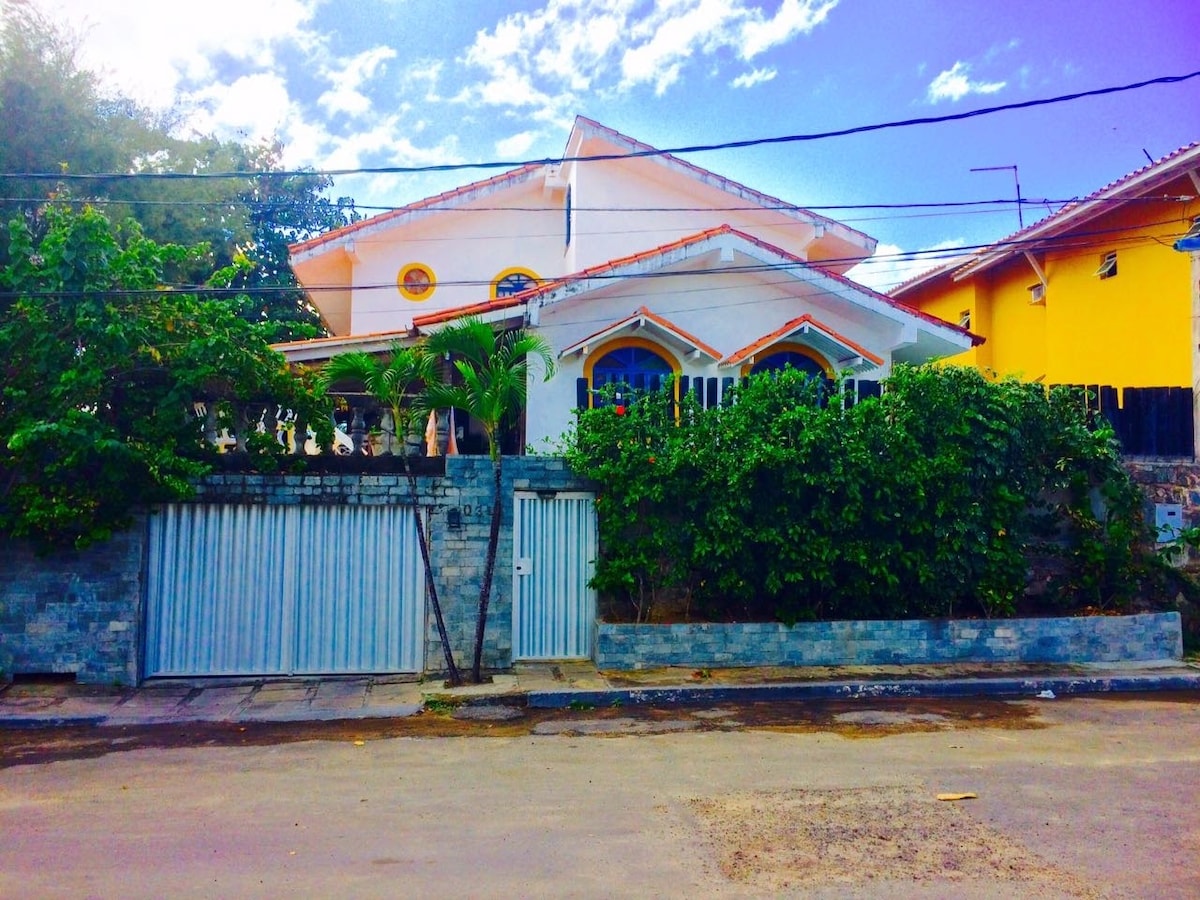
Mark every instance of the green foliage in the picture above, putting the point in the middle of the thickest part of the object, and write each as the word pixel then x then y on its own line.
pixel 60 118
pixel 101 367
pixel 491 369
pixel 926 502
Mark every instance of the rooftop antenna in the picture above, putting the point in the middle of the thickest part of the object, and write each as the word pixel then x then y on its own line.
pixel 1016 180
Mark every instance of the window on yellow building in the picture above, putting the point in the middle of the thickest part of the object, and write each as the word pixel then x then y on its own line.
pixel 1108 268
pixel 1037 293
pixel 964 319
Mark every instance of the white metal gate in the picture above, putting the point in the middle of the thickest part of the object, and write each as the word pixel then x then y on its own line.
pixel 554 558
pixel 239 589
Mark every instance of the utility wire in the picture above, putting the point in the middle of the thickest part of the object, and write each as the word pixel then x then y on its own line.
pixel 674 151
pixel 1090 239
pixel 261 205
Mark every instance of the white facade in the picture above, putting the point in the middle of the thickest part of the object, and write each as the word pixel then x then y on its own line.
pixel 648 252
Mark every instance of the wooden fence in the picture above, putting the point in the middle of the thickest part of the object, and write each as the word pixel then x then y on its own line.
pixel 1149 421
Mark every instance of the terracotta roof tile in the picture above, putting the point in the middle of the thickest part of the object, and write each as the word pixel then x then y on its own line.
pixel 1059 219
pixel 790 328
pixel 660 321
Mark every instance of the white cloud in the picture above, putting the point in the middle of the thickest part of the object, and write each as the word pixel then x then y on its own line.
pixel 515 146
pixel 892 265
pixel 673 34
pixel 147 49
pixel 955 83
pixel 345 96
pixel 749 79
pixel 542 60
pixel 254 108
pixel 388 138
pixel 795 17
pixel 427 73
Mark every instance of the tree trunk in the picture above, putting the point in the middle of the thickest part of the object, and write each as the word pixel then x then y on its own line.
pixel 485 591
pixel 454 676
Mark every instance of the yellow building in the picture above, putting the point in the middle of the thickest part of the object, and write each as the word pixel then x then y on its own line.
pixel 1094 294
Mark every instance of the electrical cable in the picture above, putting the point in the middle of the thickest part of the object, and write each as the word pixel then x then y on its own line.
pixel 605 157
pixel 1099 238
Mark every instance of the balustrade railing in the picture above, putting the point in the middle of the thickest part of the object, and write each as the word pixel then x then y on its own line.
pixel 357 427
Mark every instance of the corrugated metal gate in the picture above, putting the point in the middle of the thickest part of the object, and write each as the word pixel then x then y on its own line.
pixel 554 557
pixel 239 589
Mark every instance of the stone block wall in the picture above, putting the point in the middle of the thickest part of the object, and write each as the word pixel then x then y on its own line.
pixel 83 612
pixel 74 611
pixel 1169 481
pixel 1151 636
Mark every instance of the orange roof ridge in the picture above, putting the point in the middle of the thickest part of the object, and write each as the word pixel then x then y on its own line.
pixel 789 328
pixel 1056 218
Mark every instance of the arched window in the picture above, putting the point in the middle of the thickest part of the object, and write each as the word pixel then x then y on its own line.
pixel 633 368
pixel 801 362
pixel 512 281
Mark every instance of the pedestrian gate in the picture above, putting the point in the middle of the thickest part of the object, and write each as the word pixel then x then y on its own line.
pixel 554 558
pixel 245 589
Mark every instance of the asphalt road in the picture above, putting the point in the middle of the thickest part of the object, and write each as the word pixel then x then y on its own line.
pixel 1094 796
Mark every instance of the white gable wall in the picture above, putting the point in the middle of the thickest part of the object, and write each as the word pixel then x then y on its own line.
pixel 726 311
pixel 630 206
pixel 466 248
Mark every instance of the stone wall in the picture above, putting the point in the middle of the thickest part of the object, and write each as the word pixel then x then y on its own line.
pixel 82 612
pixel 1169 481
pixel 1153 636
pixel 73 611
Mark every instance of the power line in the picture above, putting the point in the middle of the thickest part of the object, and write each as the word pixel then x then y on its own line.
pixel 1090 239
pixel 674 151
pixel 266 205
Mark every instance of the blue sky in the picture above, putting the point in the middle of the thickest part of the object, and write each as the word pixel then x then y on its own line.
pixel 350 83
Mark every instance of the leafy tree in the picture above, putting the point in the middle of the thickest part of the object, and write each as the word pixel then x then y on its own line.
pixel 492 371
pixel 396 382
pixel 101 366
pixel 60 119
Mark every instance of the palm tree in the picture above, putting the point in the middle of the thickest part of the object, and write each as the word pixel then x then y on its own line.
pixel 492 373
pixel 397 382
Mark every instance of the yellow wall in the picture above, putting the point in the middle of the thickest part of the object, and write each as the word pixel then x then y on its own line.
pixel 1130 330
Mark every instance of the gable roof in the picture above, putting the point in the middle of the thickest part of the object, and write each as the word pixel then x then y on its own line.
pixel 632 147
pixel 583 128
pixel 643 317
pixel 847 353
pixel 723 238
pixel 456 197
pixel 1139 183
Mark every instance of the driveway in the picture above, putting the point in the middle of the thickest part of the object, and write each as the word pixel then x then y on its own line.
pixel 1075 797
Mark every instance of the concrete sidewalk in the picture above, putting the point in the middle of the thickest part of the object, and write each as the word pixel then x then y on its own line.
pixel 556 686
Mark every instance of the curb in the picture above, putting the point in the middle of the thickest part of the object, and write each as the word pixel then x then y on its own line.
pixel 857 690
pixel 564 698
pixel 52 721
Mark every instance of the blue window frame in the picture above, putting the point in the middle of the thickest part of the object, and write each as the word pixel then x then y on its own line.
pixel 514 284
pixel 634 370
pixel 798 361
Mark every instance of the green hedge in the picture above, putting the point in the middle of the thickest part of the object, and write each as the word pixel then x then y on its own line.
pixel 929 501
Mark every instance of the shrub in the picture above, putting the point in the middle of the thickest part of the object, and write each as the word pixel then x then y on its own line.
pixel 787 502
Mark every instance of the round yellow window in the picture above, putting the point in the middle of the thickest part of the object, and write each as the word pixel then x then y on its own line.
pixel 416 282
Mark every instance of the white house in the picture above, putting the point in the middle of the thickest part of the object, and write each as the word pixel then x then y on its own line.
pixel 633 266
